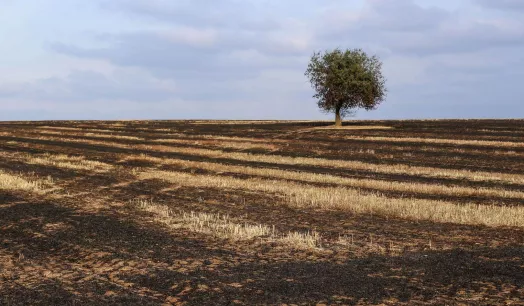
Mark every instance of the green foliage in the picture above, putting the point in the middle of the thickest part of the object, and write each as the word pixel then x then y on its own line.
pixel 346 80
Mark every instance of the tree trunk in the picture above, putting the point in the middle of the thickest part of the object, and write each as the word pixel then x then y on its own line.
pixel 338 118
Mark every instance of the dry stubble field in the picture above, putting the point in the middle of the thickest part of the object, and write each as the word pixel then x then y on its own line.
pixel 239 212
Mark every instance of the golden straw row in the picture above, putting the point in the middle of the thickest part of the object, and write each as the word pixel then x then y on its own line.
pixel 354 201
pixel 379 185
pixel 400 169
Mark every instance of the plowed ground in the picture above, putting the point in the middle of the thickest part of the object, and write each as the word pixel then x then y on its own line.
pixel 380 212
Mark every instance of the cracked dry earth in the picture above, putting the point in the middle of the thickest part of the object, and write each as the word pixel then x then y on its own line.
pixel 76 238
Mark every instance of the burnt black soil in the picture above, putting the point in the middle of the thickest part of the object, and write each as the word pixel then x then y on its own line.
pixel 84 245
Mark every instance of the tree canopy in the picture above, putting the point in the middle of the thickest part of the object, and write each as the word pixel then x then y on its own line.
pixel 346 80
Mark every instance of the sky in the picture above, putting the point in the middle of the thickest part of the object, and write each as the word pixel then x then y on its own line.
pixel 245 59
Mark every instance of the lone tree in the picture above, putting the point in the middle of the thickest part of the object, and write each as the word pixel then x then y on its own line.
pixel 346 80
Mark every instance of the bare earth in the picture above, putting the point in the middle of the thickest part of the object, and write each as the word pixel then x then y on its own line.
pixel 262 212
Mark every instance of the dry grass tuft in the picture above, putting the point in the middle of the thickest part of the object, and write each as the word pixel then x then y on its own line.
pixel 221 143
pixel 62 128
pixel 222 226
pixel 68 162
pixel 50 129
pixel 112 136
pixel 15 182
pixel 308 240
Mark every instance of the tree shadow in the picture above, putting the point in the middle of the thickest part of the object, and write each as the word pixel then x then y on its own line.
pixel 493 276
pixel 51 254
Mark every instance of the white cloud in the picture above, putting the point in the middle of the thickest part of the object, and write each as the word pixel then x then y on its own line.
pixel 191 36
pixel 247 58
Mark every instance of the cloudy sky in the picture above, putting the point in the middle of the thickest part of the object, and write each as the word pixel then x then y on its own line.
pixel 245 59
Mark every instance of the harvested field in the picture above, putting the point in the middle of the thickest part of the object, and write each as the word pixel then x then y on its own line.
pixel 262 212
